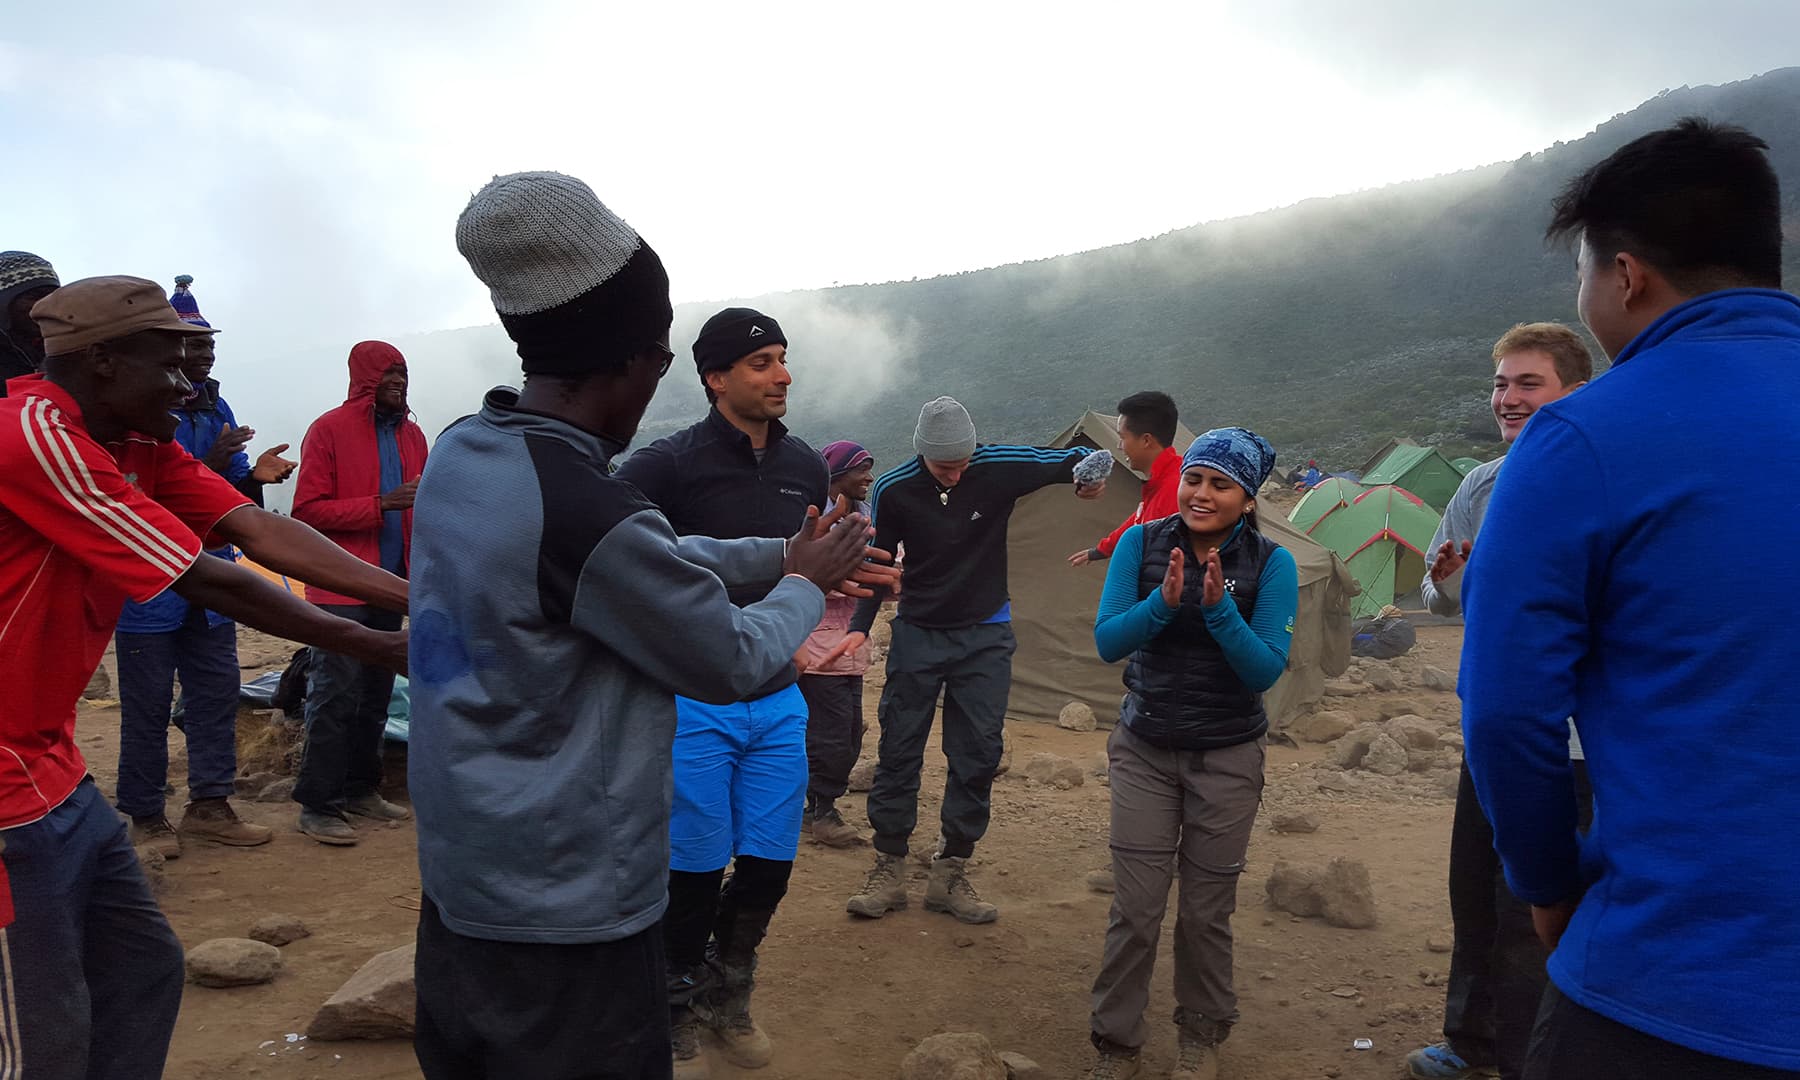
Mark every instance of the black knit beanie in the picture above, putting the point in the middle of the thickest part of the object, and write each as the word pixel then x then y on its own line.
pixel 731 335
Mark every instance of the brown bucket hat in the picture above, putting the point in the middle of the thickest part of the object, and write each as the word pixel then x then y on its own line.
pixel 97 309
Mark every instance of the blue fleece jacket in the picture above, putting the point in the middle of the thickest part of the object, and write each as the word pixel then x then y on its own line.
pixel 1629 574
pixel 1257 650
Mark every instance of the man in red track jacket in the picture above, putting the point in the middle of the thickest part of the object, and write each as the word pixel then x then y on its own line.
pixel 359 466
pixel 1146 437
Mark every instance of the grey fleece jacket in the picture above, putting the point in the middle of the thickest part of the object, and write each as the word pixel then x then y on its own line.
pixel 554 617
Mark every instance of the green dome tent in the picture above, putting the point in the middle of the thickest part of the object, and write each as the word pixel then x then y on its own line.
pixel 1422 470
pixel 1381 535
pixel 1328 495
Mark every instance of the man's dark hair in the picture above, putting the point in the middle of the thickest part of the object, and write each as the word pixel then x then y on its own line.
pixel 1698 201
pixel 1150 412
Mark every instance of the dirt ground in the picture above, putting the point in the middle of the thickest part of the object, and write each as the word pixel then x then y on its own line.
pixel 848 998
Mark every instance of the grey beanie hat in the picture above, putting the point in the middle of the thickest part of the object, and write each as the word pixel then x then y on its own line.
pixel 574 285
pixel 945 432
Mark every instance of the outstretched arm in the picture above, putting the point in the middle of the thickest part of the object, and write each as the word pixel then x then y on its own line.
pixel 294 548
pixel 231 590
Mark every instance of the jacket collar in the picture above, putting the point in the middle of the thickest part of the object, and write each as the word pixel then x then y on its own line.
pixel 1724 314
pixel 730 433
pixel 1167 464
pixel 501 408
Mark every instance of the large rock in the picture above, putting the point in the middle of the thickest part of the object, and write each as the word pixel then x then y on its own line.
pixel 862 775
pixel 1400 707
pixel 1433 678
pixel 1348 752
pixel 1413 732
pixel 377 1002
pixel 1381 677
pixel 232 962
pixel 1052 769
pixel 1076 716
pixel 281 790
pixel 278 930
pixel 1344 688
pixel 1340 892
pixel 1323 726
pixel 960 1055
pixel 1385 756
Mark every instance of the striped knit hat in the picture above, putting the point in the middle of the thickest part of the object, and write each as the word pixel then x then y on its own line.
pixel 23 270
pixel 577 289
pixel 182 300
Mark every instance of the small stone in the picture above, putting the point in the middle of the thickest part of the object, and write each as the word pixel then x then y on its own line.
pixel 1100 881
pixel 1341 892
pixel 1333 1072
pixel 1385 756
pixel 278 930
pixel 281 790
pixel 1052 769
pixel 1298 822
pixel 959 1055
pixel 1433 678
pixel 1343 688
pixel 962 941
pixel 1020 1067
pixel 376 1003
pixel 862 775
pixel 225 962
pixel 1421 761
pixel 1340 782
pixel 1449 783
pixel 1382 677
pixel 1323 727
pixel 1448 757
pixel 1098 764
pixel 1440 941
pixel 1076 716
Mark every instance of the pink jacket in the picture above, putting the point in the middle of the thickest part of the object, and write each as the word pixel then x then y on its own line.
pixel 832 629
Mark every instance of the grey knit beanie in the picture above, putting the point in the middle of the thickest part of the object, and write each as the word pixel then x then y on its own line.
pixel 945 432
pixel 577 288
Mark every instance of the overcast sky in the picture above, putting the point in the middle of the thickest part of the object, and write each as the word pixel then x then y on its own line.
pixel 306 162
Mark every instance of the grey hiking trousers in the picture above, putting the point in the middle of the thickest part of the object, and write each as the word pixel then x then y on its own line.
pixel 1191 809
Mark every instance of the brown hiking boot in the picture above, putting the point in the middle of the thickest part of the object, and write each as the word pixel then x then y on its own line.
pixel 157 834
pixel 885 889
pixel 742 1040
pixel 1114 1064
pixel 215 820
pixel 1198 1061
pixel 829 828
pixel 949 891
pixel 684 1045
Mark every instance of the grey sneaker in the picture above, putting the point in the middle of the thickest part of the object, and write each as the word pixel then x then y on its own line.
pixel 327 828
pixel 949 891
pixel 684 1045
pixel 885 889
pixel 376 807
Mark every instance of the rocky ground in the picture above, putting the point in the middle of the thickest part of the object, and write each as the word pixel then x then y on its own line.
pixel 1356 816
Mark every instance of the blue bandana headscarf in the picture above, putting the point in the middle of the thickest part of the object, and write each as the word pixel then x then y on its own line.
pixel 1237 452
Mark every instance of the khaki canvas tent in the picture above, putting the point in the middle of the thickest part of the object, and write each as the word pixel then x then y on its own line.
pixel 1054 604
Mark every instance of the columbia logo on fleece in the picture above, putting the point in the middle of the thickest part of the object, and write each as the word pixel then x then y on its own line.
pixel 791 491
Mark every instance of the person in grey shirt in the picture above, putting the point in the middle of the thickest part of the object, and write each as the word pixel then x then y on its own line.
pixel 1496 963
pixel 555 615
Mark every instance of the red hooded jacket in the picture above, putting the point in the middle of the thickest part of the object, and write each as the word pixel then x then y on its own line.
pixel 338 491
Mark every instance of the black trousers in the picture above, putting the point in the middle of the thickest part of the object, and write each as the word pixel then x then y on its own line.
pixel 1497 974
pixel 503 1010
pixel 346 719
pixel 1573 1043
pixel 972 667
pixel 834 734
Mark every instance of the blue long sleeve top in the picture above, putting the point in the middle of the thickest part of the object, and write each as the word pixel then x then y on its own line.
pixel 1256 650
